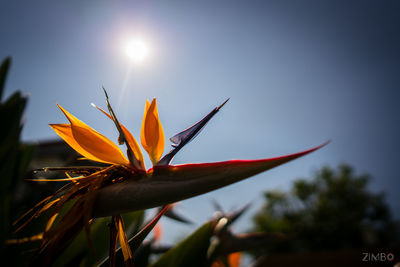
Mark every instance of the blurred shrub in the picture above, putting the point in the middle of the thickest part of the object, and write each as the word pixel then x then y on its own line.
pixel 14 156
pixel 332 210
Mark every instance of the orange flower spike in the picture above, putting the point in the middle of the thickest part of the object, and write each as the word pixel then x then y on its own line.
pixel 157 231
pixel 235 259
pixel 152 134
pixel 88 142
pixel 130 139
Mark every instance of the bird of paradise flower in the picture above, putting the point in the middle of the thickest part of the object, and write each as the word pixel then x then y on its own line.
pixel 125 184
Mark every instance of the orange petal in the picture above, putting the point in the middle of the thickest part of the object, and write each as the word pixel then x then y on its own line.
pixel 131 141
pixel 234 259
pixel 65 132
pixel 92 144
pixel 123 241
pixel 152 134
pixel 157 232
pixel 98 145
pixel 134 146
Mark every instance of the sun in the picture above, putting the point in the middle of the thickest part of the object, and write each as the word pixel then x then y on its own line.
pixel 137 50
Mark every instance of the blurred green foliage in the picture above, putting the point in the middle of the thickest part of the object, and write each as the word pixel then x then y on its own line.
pixel 333 210
pixel 14 156
pixel 79 252
pixel 192 251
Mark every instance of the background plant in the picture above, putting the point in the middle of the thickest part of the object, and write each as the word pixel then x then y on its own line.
pixel 334 210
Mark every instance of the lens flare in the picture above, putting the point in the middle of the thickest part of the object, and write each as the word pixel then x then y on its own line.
pixel 137 50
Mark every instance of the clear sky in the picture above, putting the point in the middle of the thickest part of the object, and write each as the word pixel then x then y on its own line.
pixel 299 73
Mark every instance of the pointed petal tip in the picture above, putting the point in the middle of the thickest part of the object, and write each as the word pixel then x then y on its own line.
pixel 152 134
pixel 69 116
pixel 323 144
pixel 104 90
pixel 305 152
pixel 60 107
pixel 220 106
pixel 328 142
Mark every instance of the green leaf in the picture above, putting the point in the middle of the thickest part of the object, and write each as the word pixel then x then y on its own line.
pixel 136 241
pixel 192 251
pixel 11 112
pixel 79 249
pixel 25 155
pixel 5 65
pixel 133 221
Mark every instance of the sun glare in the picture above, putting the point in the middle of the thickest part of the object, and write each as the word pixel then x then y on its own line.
pixel 137 50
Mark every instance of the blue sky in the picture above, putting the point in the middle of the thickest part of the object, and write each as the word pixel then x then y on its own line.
pixel 298 73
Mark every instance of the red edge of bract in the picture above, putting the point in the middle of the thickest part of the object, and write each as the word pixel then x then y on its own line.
pixel 290 156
